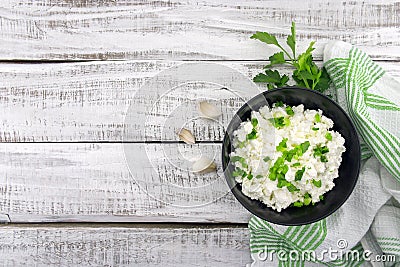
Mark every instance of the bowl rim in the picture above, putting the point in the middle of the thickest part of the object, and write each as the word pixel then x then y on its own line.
pixel 233 184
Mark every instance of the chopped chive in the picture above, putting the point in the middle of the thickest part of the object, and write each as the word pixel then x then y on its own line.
pixel 239 159
pixel 282 183
pixel 267 159
pixel 315 128
pixel 289 111
pixel 317 183
pixel 299 174
pixel 239 172
pixel 298 204
pixel 282 145
pixel 285 169
pixel 250 176
pixel 259 176
pixel 236 158
pixel 279 104
pixel 328 136
pixel 292 188
pixel 317 117
pixel 254 122
pixel 324 159
pixel 297 164
pixel 319 151
pixel 304 146
pixel 321 197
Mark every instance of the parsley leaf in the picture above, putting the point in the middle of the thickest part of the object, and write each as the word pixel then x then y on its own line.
pixel 275 59
pixel 272 78
pixel 291 39
pixel 265 38
pixel 306 73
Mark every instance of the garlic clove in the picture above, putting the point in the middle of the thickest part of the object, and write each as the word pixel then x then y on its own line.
pixel 204 165
pixel 209 110
pixel 186 136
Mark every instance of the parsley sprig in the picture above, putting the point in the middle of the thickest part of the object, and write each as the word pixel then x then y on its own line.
pixel 306 73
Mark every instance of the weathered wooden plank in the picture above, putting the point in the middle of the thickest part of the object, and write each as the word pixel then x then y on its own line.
pixel 211 29
pixel 92 182
pixel 89 101
pixel 107 245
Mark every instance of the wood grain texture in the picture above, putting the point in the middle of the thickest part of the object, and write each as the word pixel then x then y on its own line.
pixel 211 29
pixel 74 102
pixel 44 182
pixel 122 246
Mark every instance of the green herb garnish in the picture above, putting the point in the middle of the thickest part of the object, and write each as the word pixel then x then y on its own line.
pixel 328 136
pixel 239 172
pixel 252 135
pixel 292 188
pixel 239 159
pixel 317 117
pixel 298 204
pixel 267 159
pixel 297 164
pixel 307 199
pixel 282 145
pixel 320 150
pixel 289 111
pixel 254 122
pixel 279 122
pixel 304 146
pixel 299 174
pixel 315 128
pixel 316 183
pixel 279 104
pixel 323 158
pixel 306 73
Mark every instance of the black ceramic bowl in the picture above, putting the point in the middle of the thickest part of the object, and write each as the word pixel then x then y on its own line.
pixel 348 171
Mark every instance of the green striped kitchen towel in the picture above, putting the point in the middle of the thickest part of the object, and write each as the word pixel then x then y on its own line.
pixel 365 231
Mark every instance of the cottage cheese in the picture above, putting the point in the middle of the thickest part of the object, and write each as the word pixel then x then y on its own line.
pixel 287 156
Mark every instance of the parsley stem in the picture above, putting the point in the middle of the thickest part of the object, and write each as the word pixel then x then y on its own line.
pixel 284 51
pixel 306 83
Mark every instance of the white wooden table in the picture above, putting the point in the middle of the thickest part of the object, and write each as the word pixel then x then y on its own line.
pixel 69 70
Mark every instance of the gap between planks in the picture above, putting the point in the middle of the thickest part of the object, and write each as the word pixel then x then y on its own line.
pixel 132 225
